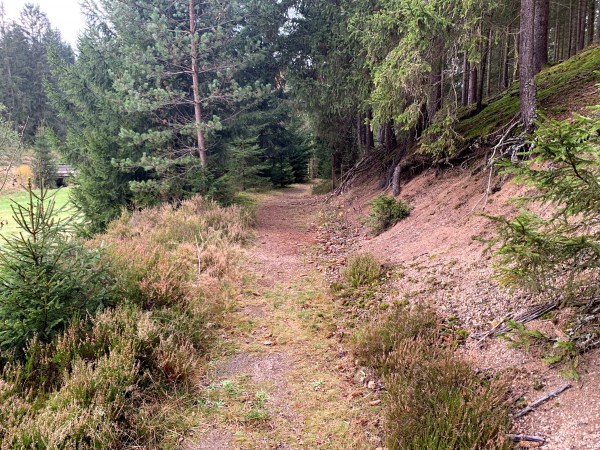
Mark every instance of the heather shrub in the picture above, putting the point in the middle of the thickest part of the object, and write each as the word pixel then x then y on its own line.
pixel 321 188
pixel 362 269
pixel 162 254
pixel 433 399
pixel 124 377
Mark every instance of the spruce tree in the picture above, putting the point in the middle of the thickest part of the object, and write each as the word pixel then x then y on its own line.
pixel 44 168
pixel 557 254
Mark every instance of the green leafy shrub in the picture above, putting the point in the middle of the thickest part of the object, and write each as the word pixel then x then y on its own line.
pixel 558 254
pixel 386 212
pixel 48 278
pixel 362 269
pixel 433 399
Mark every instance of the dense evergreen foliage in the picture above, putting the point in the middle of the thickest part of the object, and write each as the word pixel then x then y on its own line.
pixel 47 278
pixel 399 74
pixel 170 98
pixel 44 167
pixel 25 68
pixel 558 254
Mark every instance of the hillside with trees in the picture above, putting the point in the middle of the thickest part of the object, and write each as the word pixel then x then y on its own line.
pixel 301 224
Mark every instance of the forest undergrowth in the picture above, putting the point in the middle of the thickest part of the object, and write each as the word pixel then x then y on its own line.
pixel 128 376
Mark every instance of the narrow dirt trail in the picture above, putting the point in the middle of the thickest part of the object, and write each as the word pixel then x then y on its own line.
pixel 287 382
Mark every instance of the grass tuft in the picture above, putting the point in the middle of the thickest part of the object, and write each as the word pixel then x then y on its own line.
pixel 362 269
pixel 433 399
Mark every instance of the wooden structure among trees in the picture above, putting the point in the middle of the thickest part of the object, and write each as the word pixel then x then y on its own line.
pixel 63 173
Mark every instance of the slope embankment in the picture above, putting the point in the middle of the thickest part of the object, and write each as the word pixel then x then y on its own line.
pixel 440 261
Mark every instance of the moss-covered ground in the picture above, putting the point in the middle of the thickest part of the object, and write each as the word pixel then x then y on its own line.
pixel 562 88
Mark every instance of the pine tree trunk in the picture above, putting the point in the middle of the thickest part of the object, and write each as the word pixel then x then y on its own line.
pixel 515 67
pixel 359 133
pixel 591 19
pixel 465 80
pixel 381 136
pixel 597 18
pixel 369 131
pixel 473 78
pixel 484 67
pixel 557 38
pixel 542 13
pixel 388 137
pixel 527 84
pixel 572 28
pixel 488 71
pixel 196 87
pixel 581 11
pixel 505 66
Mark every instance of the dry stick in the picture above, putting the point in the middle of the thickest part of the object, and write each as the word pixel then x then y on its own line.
pixel 542 400
pixel 528 316
pixel 490 162
pixel 489 333
pixel 526 438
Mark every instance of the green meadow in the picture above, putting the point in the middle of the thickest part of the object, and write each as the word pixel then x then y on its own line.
pixel 8 199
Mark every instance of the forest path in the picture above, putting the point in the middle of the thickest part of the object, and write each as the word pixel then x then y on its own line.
pixel 287 382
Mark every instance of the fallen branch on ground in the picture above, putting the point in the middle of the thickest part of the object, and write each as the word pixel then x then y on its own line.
pixel 542 400
pixel 364 164
pixel 526 438
pixel 532 314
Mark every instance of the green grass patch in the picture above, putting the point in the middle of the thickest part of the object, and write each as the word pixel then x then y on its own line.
pixel 362 269
pixel 9 227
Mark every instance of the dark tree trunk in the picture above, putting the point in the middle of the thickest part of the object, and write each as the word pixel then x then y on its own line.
pixel 473 78
pixel 515 67
pixel 591 20
pixel 573 21
pixel 505 69
pixel 389 137
pixel 488 70
pixel 360 133
pixel 597 27
pixel 527 86
pixel 465 80
pixel 557 38
pixel 581 10
pixel 484 67
pixel 369 131
pixel 381 136
pixel 542 14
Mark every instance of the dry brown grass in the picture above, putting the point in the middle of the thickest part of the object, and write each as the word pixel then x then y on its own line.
pixel 128 378
pixel 433 399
